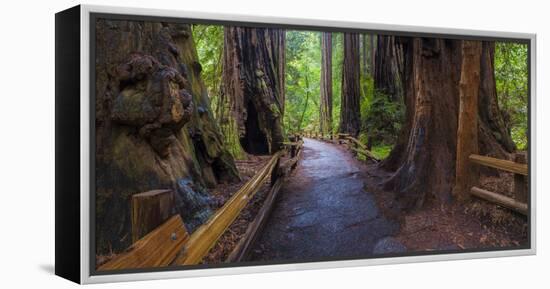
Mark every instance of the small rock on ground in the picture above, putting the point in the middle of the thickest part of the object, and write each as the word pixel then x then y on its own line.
pixel 389 245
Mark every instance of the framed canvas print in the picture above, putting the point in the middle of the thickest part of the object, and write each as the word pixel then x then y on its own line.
pixel 193 144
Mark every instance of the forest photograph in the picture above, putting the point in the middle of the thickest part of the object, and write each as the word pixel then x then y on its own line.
pixel 251 145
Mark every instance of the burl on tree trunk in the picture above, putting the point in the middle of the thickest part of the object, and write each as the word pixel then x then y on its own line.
pixel 153 127
pixel 425 159
pixel 325 109
pixel 253 79
pixel 350 118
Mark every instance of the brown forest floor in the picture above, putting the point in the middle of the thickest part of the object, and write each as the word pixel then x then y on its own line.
pixel 474 225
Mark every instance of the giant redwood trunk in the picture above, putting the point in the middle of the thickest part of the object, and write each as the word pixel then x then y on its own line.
pixel 350 118
pixel 154 126
pixel 425 160
pixel 325 109
pixel 253 79
pixel 428 166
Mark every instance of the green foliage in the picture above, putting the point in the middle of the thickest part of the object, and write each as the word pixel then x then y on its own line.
pixel 382 118
pixel 209 44
pixel 511 75
pixel 303 72
pixel 381 151
pixel 367 96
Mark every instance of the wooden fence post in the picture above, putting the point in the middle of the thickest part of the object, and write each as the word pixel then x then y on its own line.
pixel 150 210
pixel 521 191
pixel 466 174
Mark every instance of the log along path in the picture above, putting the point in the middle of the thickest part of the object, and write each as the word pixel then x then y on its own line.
pixel 323 211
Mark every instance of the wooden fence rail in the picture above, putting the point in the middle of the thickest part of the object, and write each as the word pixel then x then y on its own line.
pixel 241 251
pixel 361 148
pixel 206 236
pixel 505 165
pixel 170 244
pixel 502 200
pixel 520 171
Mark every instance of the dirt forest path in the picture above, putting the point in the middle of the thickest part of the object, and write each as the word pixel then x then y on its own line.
pixel 323 211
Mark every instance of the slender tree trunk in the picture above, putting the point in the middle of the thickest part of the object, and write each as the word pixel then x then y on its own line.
pixel 306 102
pixel 281 51
pixel 326 84
pixel 467 135
pixel 365 54
pixel 372 53
pixel 351 90
pixel 253 76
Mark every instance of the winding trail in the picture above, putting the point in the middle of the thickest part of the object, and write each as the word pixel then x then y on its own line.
pixel 323 211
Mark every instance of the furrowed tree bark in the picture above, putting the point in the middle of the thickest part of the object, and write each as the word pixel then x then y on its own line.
pixel 254 81
pixel 351 89
pixel 388 72
pixel 428 167
pixel 325 109
pixel 467 135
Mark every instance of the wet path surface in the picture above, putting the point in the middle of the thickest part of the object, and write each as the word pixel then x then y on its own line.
pixel 322 211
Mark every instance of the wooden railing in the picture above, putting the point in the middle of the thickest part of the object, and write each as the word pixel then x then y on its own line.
pixel 170 244
pixel 520 170
pixel 206 236
pixel 358 147
pixel 242 249
pixel 343 138
pixel 506 165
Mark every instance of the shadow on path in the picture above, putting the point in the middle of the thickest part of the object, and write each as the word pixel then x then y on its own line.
pixel 323 211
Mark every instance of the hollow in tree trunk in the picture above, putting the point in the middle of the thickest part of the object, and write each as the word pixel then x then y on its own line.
pixel 254 81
